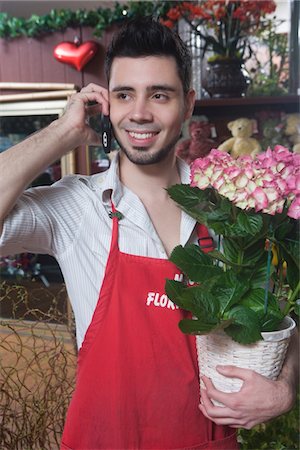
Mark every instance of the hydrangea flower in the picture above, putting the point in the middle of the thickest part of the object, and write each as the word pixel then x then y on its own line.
pixel 266 183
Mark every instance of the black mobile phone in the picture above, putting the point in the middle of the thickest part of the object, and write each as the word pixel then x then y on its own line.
pixel 106 133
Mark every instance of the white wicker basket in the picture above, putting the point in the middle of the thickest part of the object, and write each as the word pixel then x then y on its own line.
pixel 265 357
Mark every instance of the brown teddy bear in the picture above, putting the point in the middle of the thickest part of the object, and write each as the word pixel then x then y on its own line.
pixel 241 143
pixel 292 130
pixel 199 144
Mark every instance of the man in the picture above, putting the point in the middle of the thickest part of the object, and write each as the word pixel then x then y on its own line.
pixel 137 380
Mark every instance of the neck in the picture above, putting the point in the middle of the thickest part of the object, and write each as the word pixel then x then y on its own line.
pixel 149 180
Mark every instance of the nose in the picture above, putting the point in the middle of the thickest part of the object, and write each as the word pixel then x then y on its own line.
pixel 140 112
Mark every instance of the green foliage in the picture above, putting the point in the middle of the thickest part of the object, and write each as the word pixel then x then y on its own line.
pixel 59 20
pixel 194 263
pixel 279 434
pixel 270 77
pixel 230 292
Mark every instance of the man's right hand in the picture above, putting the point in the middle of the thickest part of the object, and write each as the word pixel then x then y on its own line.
pixel 90 101
pixel 22 163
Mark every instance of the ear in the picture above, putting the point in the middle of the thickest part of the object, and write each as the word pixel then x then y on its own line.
pixel 189 104
pixel 230 125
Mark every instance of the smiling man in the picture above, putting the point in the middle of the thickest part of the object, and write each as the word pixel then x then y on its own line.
pixel 137 381
pixel 148 117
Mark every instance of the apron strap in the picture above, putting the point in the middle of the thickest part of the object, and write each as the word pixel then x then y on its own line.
pixel 115 216
pixel 205 241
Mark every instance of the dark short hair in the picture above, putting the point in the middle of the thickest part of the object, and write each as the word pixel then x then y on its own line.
pixel 146 36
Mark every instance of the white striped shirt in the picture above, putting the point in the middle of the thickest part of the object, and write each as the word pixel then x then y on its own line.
pixel 70 221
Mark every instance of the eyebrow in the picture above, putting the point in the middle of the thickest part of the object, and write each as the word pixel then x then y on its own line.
pixel 154 87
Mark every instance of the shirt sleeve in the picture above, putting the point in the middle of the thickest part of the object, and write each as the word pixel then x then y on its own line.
pixel 45 219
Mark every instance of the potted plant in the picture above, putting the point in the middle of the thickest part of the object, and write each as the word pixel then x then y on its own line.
pixel 247 287
pixel 224 28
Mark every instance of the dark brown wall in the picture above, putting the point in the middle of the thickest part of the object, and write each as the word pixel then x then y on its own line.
pixel 32 60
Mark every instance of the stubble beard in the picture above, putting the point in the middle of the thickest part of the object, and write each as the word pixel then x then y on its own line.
pixel 143 157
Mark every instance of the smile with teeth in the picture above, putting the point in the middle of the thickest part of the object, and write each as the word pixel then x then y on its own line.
pixel 141 136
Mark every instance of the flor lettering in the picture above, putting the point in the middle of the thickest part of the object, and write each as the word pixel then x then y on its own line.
pixel 160 300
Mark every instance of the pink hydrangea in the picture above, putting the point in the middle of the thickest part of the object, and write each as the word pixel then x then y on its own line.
pixel 265 183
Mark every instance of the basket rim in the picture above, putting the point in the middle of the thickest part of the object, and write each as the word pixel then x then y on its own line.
pixel 287 327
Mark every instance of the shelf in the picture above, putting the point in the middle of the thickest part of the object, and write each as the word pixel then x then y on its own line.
pixel 244 101
pixel 246 105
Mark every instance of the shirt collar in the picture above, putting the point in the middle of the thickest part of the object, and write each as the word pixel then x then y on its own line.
pixel 184 171
pixel 110 184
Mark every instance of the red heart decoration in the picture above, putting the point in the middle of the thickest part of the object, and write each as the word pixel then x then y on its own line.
pixel 76 55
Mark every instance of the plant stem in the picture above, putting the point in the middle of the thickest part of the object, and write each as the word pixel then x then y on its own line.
pixel 267 284
pixel 268 277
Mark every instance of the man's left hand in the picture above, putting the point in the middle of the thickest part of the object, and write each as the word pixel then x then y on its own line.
pixel 259 400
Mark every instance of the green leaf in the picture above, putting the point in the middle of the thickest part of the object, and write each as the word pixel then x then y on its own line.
pixel 290 252
pixel 297 308
pixel 205 305
pixel 196 299
pixel 197 265
pixel 271 323
pixel 246 326
pixel 212 218
pixel 186 298
pixel 284 230
pixel 248 224
pixel 231 250
pixel 255 300
pixel 229 290
pixel 258 275
pixel 174 290
pixel 292 266
pixel 206 206
pixel 186 196
pixel 255 252
pixel 194 326
pixel 215 254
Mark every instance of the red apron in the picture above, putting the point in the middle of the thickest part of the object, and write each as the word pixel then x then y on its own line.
pixel 137 381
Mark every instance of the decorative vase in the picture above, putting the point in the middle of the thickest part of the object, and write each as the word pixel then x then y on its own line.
pixel 265 357
pixel 226 78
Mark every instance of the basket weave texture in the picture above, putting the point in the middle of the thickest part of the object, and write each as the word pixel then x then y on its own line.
pixel 265 357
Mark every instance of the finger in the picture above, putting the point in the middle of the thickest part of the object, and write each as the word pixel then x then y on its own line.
pixel 217 411
pixel 87 97
pixel 222 397
pixel 96 88
pixel 204 412
pixel 92 87
pixel 230 421
pixel 204 399
pixel 235 372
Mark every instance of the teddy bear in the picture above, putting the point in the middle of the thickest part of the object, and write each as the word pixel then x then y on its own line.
pixel 241 143
pixel 199 144
pixel 292 130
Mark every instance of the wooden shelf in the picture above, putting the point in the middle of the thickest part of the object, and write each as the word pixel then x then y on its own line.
pixel 246 101
pixel 235 107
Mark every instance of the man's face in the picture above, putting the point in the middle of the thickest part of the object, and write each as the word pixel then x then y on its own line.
pixel 147 106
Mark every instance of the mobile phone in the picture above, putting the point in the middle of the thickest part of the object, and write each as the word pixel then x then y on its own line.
pixel 106 133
